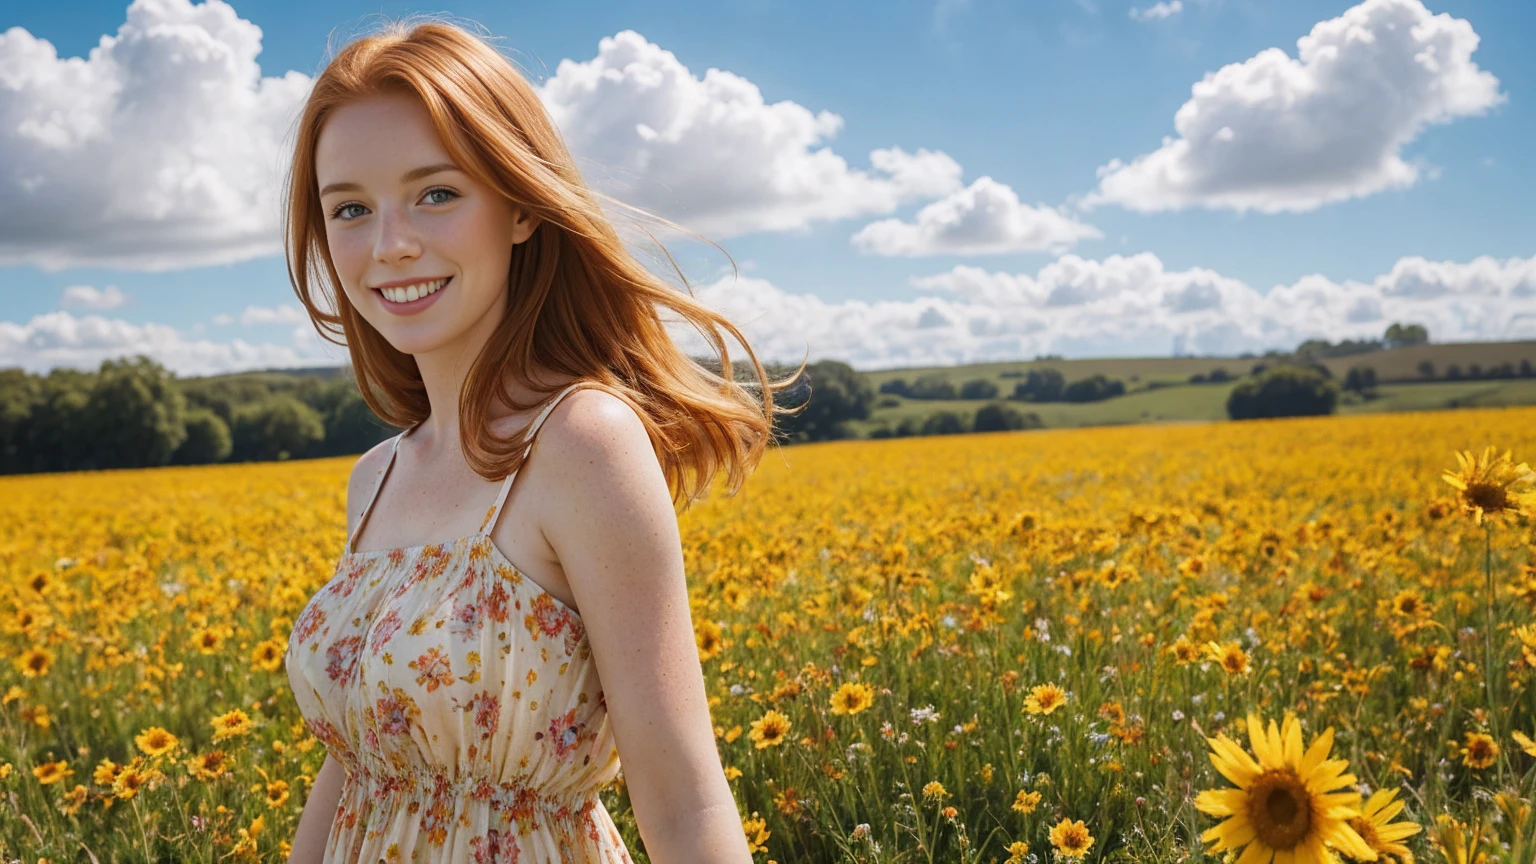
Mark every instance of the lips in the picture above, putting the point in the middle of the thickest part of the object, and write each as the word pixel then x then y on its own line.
pixel 380 291
pixel 413 305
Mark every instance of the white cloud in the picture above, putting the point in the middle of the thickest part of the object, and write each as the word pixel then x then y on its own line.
pixel 58 339
pixel 285 313
pixel 160 149
pixel 711 154
pixel 1275 134
pixel 1121 306
pixel 1159 10
pixel 982 219
pixel 90 297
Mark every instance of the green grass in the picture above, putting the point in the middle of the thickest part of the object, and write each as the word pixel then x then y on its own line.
pixel 1207 402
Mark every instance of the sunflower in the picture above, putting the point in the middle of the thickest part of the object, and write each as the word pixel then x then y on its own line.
pixel 1283 803
pixel 1376 828
pixel 1487 485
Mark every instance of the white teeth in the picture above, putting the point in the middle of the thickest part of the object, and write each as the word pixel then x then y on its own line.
pixel 412 292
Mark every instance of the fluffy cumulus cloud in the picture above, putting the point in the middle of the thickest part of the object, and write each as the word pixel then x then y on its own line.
pixel 1122 306
pixel 711 154
pixel 1274 133
pixel 162 148
pixel 984 218
pixel 91 297
pixel 61 338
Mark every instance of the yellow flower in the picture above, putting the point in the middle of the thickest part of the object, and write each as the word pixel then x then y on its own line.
pixel 1231 657
pixel 1283 802
pixel 1044 698
pixel 155 741
pixel 1525 743
pixel 34 662
pixel 770 730
pixel 1376 828
pixel 268 654
pixel 934 789
pixel 1480 750
pixel 1017 850
pixel 1487 485
pixel 230 724
pixel 277 793
pixel 1026 801
pixel 52 772
pixel 1071 838
pixel 210 766
pixel 852 697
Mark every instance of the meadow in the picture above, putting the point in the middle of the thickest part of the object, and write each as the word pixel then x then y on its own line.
pixel 1156 643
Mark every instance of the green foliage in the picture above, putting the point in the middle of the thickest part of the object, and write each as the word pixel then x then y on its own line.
pixel 836 395
pixel 1284 391
pixel 1001 417
pixel 208 439
pixel 978 388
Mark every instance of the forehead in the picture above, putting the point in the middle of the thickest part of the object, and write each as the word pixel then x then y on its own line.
pixel 368 140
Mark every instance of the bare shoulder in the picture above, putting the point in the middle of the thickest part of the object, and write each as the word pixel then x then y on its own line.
pixel 365 473
pixel 600 467
pixel 592 426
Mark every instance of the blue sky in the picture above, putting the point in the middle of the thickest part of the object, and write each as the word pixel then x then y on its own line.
pixel 956 181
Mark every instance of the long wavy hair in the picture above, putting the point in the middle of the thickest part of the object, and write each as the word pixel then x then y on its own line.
pixel 579 302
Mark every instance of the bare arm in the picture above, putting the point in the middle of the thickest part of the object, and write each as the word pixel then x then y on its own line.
pixel 319 813
pixel 632 570
pixel 325 793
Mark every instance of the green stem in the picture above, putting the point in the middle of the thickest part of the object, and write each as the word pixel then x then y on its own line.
pixel 1490 671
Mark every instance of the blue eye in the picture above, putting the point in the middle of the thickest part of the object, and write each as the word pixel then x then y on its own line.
pixel 336 211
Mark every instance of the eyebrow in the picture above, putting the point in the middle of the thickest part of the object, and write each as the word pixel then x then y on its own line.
pixel 413 174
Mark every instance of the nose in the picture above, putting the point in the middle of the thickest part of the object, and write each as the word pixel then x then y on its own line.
pixel 397 238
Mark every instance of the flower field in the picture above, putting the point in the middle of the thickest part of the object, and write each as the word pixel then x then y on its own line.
pixel 1299 640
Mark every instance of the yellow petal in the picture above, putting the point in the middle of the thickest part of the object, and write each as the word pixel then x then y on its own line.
pixel 1221 802
pixel 1317 752
pixel 1292 735
pixel 1256 853
pixel 1233 763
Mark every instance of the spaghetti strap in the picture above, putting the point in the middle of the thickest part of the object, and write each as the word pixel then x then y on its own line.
pixel 378 484
pixel 487 524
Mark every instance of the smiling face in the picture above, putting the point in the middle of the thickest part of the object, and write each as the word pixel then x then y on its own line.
pixel 389 221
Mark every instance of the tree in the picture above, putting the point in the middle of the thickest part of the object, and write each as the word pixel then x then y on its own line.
pixel 1284 391
pixel 280 427
pixel 978 388
pixel 1404 335
pixel 1426 369
pixel 932 387
pixel 208 439
pixel 837 394
pixel 1001 417
pixel 1094 388
pixel 136 415
pixel 944 423
pixel 1360 379
pixel 1040 385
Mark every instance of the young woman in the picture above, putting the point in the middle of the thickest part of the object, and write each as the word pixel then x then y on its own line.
pixel 488 652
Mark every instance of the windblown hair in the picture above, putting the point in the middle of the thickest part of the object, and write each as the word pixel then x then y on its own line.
pixel 579 302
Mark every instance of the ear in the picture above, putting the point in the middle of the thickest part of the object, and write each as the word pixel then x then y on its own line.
pixel 523 223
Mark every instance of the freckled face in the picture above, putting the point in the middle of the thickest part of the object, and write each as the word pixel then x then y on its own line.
pixel 384 226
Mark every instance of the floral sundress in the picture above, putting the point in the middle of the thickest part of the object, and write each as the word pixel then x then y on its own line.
pixel 463 702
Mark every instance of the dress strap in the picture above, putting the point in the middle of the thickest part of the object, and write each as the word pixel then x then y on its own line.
pixel 533 429
pixel 368 508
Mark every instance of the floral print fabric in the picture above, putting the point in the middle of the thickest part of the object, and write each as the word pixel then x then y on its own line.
pixel 463 702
